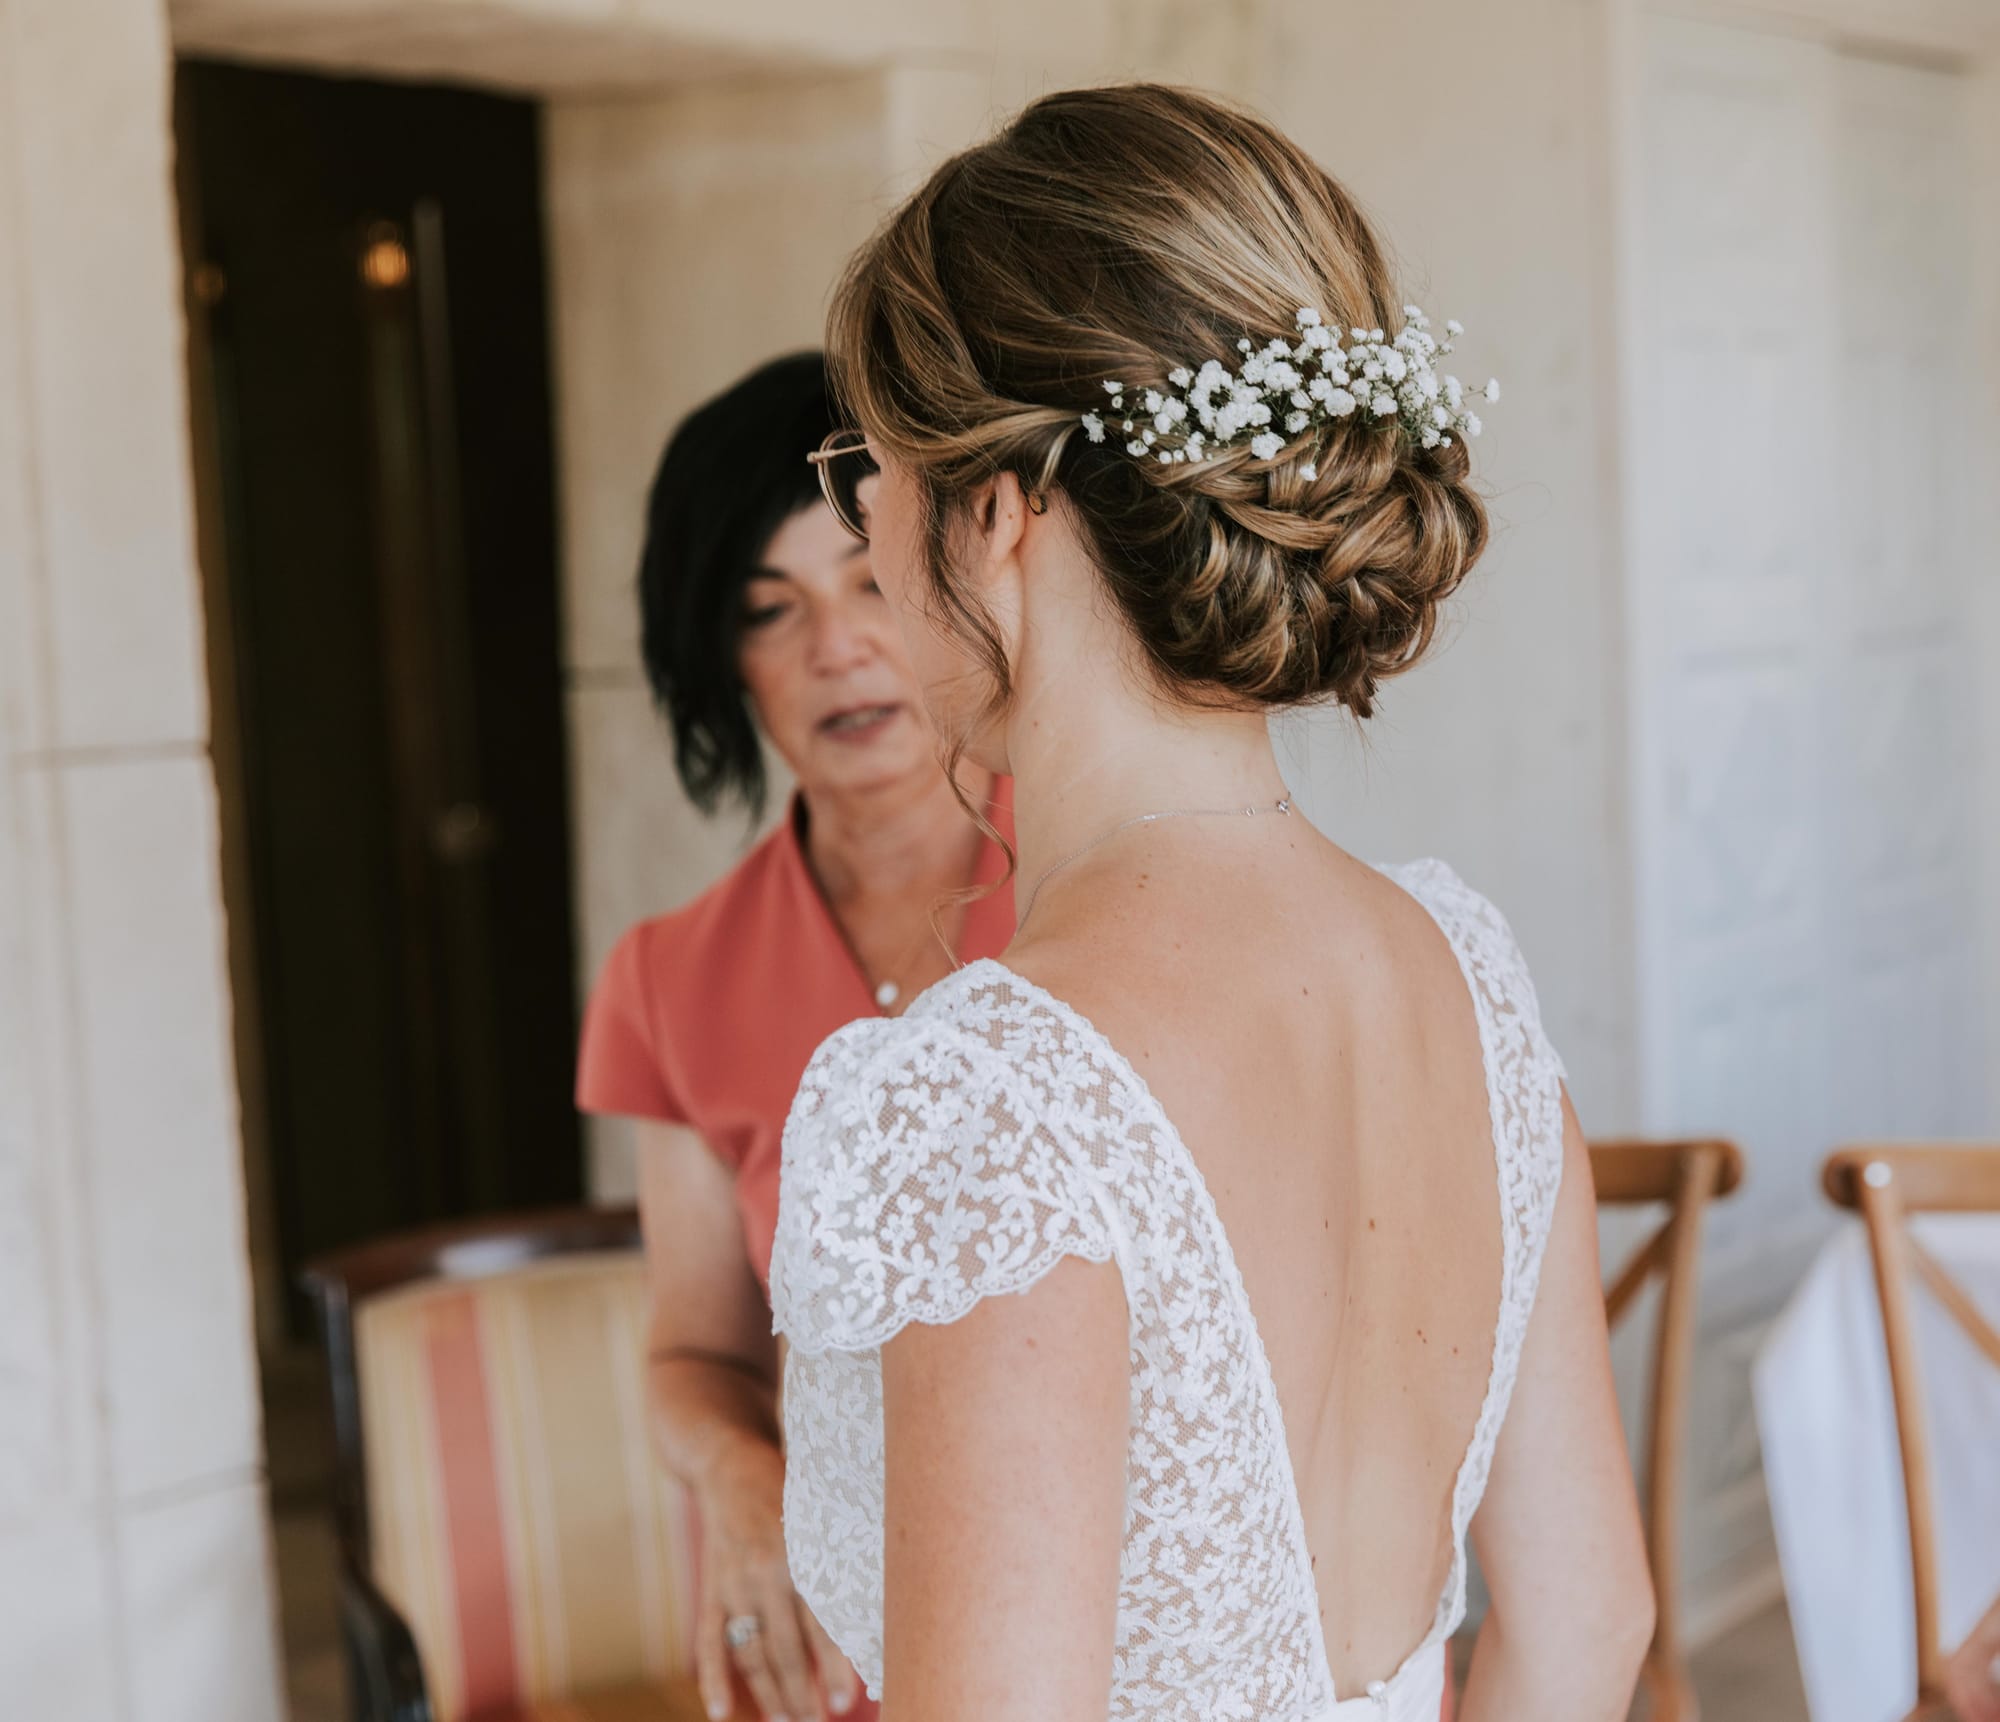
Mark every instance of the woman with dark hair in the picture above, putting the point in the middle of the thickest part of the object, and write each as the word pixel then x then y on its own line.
pixel 762 625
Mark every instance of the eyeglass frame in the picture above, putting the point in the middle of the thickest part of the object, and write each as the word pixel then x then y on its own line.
pixel 823 457
pixel 837 444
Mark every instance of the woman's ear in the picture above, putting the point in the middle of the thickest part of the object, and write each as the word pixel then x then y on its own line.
pixel 1000 514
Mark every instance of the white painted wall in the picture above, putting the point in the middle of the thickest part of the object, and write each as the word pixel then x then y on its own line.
pixel 1807 764
pixel 134 1579
pixel 1982 396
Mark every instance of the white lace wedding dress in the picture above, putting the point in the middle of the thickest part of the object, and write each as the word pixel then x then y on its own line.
pixel 958 1152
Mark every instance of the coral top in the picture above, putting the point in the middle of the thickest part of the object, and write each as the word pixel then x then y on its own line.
pixel 707 1016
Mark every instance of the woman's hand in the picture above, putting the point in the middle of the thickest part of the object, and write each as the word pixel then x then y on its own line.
pixel 1972 1673
pixel 788 1661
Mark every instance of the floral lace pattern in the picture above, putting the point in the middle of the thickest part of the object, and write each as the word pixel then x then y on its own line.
pixel 959 1152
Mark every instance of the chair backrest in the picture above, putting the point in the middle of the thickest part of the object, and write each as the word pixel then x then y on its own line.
pixel 1886 1183
pixel 1685 1176
pixel 498 1482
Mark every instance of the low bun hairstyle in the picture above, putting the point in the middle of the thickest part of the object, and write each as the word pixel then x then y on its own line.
pixel 1118 233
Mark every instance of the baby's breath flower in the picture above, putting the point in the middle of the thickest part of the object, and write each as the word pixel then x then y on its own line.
pixel 1206 410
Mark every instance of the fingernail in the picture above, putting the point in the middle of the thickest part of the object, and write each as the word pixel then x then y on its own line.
pixel 717 1711
pixel 842 1703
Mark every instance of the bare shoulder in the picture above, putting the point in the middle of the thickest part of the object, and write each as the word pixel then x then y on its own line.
pixel 1161 946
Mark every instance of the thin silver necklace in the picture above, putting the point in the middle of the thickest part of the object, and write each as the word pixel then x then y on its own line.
pixel 1283 805
pixel 888 990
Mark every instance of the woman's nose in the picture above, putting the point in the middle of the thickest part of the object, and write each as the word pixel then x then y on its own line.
pixel 840 639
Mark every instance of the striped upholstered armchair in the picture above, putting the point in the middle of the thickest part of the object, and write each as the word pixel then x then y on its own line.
pixel 510 1550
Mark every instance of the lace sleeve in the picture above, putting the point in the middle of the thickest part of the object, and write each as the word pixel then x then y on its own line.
pixel 920 1176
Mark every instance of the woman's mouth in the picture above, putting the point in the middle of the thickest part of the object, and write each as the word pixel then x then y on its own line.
pixel 858 723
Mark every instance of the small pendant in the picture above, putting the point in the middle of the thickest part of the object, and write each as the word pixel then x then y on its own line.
pixel 887 994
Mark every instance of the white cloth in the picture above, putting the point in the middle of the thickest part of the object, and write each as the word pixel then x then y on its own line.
pixel 962 1150
pixel 1827 1420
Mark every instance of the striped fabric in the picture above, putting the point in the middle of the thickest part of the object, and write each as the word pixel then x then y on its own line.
pixel 518 1516
pixel 620 1704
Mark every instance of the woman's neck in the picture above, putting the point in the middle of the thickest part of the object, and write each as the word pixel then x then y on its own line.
pixel 910 837
pixel 1092 743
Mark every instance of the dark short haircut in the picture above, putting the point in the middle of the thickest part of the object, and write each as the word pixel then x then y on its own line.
pixel 733 472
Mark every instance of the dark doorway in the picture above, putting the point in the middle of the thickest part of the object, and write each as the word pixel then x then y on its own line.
pixel 372 413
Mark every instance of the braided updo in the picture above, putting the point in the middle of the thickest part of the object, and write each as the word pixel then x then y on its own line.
pixel 1121 232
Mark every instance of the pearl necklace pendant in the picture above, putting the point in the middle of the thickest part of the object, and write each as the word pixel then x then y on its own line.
pixel 887 994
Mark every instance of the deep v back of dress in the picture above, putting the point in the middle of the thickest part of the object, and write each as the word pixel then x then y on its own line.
pixel 959 1152
pixel 1336 1103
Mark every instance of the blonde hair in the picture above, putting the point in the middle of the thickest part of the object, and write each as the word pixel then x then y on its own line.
pixel 1118 233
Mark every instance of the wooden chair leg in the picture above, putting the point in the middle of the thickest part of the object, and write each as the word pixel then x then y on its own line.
pixel 1673 1698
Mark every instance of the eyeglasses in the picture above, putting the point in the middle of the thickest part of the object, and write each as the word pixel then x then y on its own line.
pixel 844 465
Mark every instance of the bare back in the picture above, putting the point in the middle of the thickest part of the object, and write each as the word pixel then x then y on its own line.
pixel 1309 1029
pixel 1323 1239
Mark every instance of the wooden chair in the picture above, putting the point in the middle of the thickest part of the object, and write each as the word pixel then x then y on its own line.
pixel 1885 1184
pixel 1686 1176
pixel 508 1546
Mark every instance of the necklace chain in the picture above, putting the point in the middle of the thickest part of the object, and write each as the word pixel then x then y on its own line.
pixel 1282 805
pixel 889 988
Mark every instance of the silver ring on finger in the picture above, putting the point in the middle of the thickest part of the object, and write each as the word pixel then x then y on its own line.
pixel 742 1630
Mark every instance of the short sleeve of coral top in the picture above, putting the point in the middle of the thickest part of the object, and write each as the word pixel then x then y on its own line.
pixel 707 1016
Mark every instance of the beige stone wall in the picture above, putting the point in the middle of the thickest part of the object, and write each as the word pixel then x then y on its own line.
pixel 701 196
pixel 692 236
pixel 1506 754
pixel 710 163
pixel 690 239
pixel 133 1569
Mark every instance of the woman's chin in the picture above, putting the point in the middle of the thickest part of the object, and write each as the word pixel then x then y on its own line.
pixel 895 752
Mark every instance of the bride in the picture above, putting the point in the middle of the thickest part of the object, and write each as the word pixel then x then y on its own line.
pixel 1168 1299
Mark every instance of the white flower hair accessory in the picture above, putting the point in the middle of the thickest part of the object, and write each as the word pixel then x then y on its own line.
pixel 1286 387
